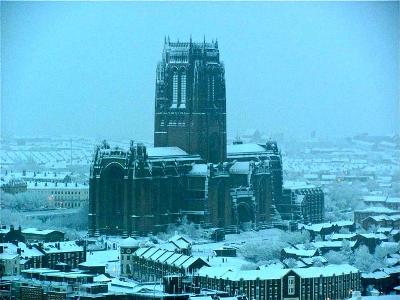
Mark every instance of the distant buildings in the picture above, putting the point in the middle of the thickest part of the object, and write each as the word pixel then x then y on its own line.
pixel 324 229
pixel 13 186
pixel 46 235
pixel 41 255
pixel 362 214
pixel 60 195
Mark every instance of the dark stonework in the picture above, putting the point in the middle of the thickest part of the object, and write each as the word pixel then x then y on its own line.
pixel 190 103
pixel 190 172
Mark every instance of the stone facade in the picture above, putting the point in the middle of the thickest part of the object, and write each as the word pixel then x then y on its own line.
pixel 190 102
pixel 137 191
pixel 190 172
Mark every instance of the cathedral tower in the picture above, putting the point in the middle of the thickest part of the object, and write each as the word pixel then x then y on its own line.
pixel 190 102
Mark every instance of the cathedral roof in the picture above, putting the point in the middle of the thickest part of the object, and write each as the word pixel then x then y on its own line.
pixel 165 151
pixel 245 148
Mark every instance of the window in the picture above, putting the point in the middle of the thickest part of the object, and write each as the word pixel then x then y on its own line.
pixel 183 89
pixel 291 285
pixel 175 89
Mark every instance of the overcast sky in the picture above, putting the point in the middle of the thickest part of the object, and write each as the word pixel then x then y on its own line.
pixel 88 68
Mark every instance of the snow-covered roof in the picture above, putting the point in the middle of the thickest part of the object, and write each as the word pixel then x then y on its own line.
pixel 329 270
pixel 69 246
pixel 377 209
pixel 319 226
pixel 101 278
pixel 240 167
pixel 180 238
pixel 237 275
pixel 244 148
pixel 38 231
pixel 8 256
pixel 129 243
pixel 374 198
pixel 35 185
pixel 212 272
pixel 26 251
pixel 199 170
pixel 342 236
pixel 375 275
pixel 297 185
pixel 312 260
pixel 165 151
pixel 393 200
pixel 168 257
pixel 300 252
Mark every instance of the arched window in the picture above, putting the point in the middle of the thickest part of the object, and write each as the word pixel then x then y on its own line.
pixel 183 90
pixel 175 89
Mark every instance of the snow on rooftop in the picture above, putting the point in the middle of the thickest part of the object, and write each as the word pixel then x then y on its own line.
pixel 129 243
pixel 199 170
pixel 297 185
pixel 244 148
pixel 69 246
pixel 165 151
pixel 26 251
pixel 300 252
pixel 319 226
pixel 32 185
pixel 38 231
pixel 377 209
pixel 374 198
pixel 329 270
pixel 240 167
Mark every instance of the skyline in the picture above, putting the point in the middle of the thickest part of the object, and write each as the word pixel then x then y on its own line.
pixel 89 68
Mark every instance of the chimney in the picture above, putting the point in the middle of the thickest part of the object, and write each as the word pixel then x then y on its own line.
pixel 24 173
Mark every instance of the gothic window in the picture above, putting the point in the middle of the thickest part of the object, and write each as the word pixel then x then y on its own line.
pixel 183 89
pixel 175 89
pixel 213 88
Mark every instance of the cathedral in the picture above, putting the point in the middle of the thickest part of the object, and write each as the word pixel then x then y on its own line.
pixel 190 172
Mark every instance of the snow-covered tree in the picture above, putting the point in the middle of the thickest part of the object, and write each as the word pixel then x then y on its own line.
pixel 365 261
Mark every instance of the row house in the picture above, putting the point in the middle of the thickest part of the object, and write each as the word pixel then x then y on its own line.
pixel 69 253
pixel 151 263
pixel 385 221
pixel 314 283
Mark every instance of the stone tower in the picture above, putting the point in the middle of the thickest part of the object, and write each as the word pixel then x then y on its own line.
pixel 190 102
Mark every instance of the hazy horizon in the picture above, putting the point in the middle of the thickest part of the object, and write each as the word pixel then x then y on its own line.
pixel 88 68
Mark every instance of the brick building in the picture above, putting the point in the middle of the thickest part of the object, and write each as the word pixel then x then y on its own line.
pixel 314 283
